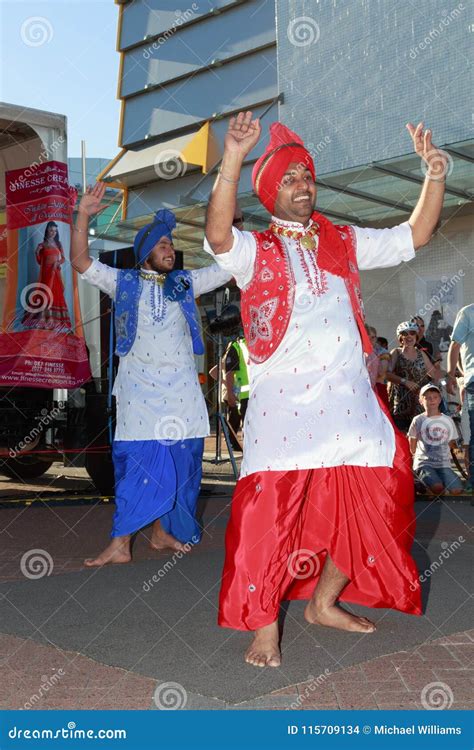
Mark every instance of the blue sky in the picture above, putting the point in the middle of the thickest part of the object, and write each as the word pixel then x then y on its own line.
pixel 59 55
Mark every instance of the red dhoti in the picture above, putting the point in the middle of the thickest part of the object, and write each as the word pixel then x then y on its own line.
pixel 284 524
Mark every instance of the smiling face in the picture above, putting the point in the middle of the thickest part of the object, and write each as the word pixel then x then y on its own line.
pixel 296 195
pixel 407 338
pixel 161 258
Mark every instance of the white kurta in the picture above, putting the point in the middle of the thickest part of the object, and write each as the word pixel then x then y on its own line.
pixel 157 388
pixel 311 403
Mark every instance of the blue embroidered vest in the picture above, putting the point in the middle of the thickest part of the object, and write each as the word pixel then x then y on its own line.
pixel 178 287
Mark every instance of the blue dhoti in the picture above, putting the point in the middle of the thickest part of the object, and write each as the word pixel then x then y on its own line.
pixel 155 479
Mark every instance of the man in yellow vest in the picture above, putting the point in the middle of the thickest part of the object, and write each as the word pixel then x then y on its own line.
pixel 237 382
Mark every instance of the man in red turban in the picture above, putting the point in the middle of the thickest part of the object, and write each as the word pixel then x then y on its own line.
pixel 323 509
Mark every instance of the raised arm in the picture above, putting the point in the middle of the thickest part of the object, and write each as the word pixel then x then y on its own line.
pixel 89 205
pixel 241 137
pixel 427 211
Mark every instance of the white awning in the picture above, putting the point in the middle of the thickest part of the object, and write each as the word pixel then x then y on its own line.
pixel 163 161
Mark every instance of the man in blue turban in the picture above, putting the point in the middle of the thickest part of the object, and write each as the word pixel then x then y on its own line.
pixel 161 413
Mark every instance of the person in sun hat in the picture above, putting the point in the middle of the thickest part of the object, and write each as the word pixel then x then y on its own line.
pixel 323 509
pixel 409 369
pixel 161 413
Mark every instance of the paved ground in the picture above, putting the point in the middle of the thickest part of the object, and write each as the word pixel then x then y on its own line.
pixel 109 638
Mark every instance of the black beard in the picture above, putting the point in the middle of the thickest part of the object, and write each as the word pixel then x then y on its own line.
pixel 155 267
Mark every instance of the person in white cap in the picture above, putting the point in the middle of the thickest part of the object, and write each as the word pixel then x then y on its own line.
pixel 431 435
pixel 409 369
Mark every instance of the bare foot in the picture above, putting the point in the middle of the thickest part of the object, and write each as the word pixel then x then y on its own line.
pixel 116 552
pixel 264 650
pixel 337 617
pixel 160 540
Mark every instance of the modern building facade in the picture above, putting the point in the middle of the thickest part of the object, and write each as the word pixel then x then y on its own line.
pixel 351 75
pixel 346 75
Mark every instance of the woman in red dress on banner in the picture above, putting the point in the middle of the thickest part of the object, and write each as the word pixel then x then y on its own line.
pixel 46 305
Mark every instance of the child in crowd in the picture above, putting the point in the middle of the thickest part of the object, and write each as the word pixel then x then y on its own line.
pixel 431 435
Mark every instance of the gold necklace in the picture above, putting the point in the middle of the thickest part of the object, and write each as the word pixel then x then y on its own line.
pixel 158 278
pixel 304 237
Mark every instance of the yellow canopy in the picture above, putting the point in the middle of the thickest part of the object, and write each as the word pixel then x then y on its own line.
pixel 167 160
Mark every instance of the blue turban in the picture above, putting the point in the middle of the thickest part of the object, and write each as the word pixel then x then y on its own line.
pixel 146 239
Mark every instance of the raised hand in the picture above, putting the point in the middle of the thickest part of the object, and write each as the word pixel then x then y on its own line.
pixel 242 134
pixel 436 160
pixel 91 201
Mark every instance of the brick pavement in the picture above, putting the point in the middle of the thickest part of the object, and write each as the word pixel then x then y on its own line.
pixel 439 674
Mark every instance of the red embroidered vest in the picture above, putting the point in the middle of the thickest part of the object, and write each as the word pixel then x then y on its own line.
pixel 267 301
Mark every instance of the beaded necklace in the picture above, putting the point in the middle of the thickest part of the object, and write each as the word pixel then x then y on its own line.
pixel 157 297
pixel 307 249
pixel 305 237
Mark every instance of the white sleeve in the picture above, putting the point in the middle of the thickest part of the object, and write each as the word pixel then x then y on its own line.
pixel 209 278
pixel 240 259
pixel 413 429
pixel 102 276
pixel 382 248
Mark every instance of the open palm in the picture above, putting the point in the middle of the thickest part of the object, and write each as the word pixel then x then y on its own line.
pixel 435 159
pixel 91 201
pixel 242 134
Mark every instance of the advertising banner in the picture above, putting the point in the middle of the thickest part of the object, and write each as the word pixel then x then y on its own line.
pixel 41 343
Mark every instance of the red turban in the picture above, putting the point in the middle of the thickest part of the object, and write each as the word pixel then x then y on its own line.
pixel 284 148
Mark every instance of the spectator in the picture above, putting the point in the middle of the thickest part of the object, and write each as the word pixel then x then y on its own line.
pixel 423 344
pixel 383 356
pixel 409 369
pixel 462 342
pixel 237 382
pixel 464 425
pixel 431 436
pixel 438 333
